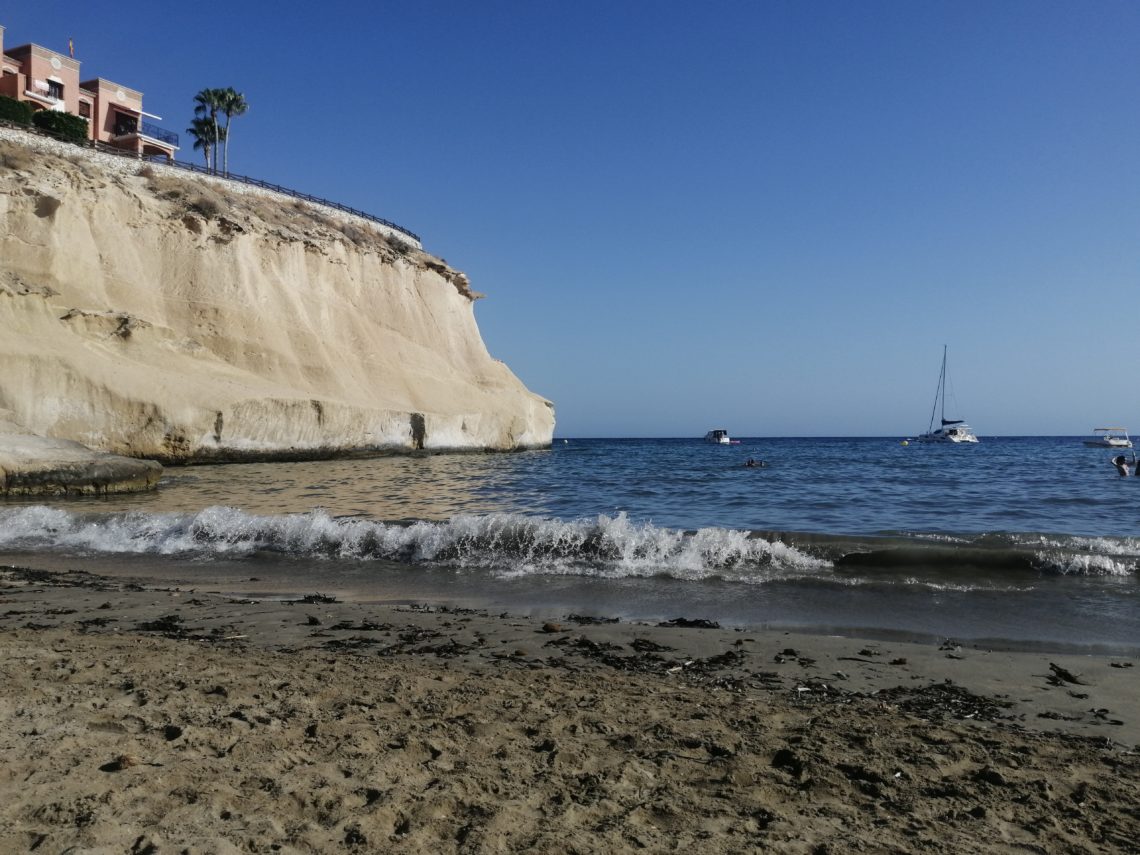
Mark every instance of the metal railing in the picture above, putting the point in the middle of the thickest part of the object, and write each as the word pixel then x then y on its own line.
pixel 106 148
pixel 153 131
pixel 277 188
pixel 131 127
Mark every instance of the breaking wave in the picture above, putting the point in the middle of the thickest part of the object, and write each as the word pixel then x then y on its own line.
pixel 505 543
pixel 602 546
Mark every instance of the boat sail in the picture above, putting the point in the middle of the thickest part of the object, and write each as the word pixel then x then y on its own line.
pixel 950 430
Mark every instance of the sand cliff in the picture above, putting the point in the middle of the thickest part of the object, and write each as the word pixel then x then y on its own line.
pixel 182 319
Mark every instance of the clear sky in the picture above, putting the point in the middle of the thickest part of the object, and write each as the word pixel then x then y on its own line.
pixel 763 216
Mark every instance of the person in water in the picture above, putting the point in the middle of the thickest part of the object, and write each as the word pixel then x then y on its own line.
pixel 753 463
pixel 1121 465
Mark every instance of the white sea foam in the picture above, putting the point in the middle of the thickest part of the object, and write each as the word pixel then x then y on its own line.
pixel 1084 564
pixel 507 544
pixel 1122 546
pixel 1082 556
pixel 503 544
pixel 964 587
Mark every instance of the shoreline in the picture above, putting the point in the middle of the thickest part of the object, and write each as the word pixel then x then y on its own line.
pixel 149 715
pixel 539 598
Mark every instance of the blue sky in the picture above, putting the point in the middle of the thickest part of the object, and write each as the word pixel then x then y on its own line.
pixel 766 216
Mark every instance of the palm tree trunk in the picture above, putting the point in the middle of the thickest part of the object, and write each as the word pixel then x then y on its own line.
pixel 226 147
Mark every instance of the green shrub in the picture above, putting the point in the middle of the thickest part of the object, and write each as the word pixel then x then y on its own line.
pixel 63 125
pixel 15 111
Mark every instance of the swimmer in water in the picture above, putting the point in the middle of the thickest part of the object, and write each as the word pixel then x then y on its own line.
pixel 1121 465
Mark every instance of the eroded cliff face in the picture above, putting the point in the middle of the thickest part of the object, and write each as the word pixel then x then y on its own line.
pixel 165 317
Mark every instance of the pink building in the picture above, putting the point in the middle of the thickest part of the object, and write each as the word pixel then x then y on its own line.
pixel 51 81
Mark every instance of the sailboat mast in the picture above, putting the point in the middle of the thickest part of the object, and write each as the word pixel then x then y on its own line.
pixel 942 383
pixel 939 393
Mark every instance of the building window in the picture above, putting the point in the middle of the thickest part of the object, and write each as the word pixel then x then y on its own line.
pixel 84 110
pixel 55 90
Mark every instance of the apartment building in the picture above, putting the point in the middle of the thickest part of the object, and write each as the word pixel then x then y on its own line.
pixel 48 80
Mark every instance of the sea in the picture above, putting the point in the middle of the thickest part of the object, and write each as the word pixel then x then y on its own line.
pixel 1016 542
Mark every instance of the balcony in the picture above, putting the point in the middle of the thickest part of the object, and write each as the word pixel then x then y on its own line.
pixel 161 134
pixel 130 128
pixel 45 96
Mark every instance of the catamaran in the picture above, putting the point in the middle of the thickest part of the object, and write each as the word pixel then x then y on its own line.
pixel 950 430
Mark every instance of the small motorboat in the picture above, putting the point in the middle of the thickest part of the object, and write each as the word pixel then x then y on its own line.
pixel 720 437
pixel 1109 437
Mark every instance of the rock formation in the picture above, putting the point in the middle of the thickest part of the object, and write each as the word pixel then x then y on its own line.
pixel 35 466
pixel 158 314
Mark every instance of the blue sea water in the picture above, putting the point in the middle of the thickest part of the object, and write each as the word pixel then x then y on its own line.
pixel 1016 540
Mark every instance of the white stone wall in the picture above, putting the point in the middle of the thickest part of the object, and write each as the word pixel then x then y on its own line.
pixel 131 166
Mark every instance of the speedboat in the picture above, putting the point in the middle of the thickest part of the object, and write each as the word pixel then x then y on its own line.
pixel 718 437
pixel 950 430
pixel 1109 437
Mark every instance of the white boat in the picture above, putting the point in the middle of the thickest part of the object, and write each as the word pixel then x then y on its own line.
pixel 719 437
pixel 949 430
pixel 1111 437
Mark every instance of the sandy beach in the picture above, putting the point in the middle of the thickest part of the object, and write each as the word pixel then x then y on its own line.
pixel 151 718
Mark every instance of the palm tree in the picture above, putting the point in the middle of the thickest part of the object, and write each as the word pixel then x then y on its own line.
pixel 202 130
pixel 230 103
pixel 207 104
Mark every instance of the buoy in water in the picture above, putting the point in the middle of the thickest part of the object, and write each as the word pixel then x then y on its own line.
pixel 905 442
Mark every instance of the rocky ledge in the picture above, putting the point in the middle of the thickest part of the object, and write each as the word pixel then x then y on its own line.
pixel 35 465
